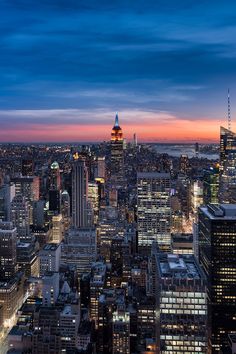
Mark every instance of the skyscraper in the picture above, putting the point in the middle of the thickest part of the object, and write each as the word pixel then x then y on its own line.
pixel 183 164
pixel 154 210
pixel 217 256
pixel 121 332
pixel 20 217
pixel 211 185
pixel 55 178
pixel 180 290
pixel 8 238
pixel 227 193
pixel 79 193
pixel 27 166
pixel 117 154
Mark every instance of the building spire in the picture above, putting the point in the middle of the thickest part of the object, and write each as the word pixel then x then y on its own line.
pixel 117 120
pixel 229 112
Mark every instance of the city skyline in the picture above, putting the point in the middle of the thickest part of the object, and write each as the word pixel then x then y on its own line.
pixel 67 67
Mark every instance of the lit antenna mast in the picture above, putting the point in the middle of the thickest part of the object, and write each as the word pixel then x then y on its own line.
pixel 229 113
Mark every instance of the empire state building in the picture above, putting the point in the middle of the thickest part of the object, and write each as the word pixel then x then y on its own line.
pixel 117 155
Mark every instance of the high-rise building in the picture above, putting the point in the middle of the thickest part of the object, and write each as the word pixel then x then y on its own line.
pixel 50 289
pixel 97 283
pixel 38 213
pixel 80 249
pixel 11 298
pixel 227 193
pixel 27 259
pixel 196 195
pixel 27 186
pixel 69 325
pixel 93 200
pixel 7 193
pixel 181 298
pixel 154 210
pixel 54 201
pixel 46 336
pixel 121 332
pixel 183 164
pixel 55 178
pixel 20 216
pixel 49 258
pixel 117 155
pixel 100 171
pixel 182 243
pixel 217 256
pixel 79 193
pixel 8 239
pixel 65 209
pixel 57 228
pixel 27 167
pixel 211 186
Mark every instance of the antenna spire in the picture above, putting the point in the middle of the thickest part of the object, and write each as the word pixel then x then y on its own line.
pixel 117 120
pixel 229 112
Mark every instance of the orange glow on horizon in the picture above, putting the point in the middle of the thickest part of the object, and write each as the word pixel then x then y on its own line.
pixel 176 130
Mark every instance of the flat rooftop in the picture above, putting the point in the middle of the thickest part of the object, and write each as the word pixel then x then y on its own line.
pixel 178 266
pixel 220 211
pixel 51 246
pixel 69 310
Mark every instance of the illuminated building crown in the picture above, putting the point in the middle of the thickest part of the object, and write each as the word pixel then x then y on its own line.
pixel 116 133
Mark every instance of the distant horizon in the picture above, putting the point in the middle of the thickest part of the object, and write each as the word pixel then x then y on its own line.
pixel 71 125
pixel 166 67
pixel 106 141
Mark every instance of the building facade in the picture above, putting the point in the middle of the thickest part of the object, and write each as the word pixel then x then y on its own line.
pixel 154 210
pixel 217 256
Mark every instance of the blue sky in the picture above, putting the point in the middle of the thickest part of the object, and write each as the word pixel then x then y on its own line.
pixel 97 57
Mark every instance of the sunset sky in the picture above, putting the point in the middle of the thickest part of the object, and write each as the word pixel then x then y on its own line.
pixel 67 66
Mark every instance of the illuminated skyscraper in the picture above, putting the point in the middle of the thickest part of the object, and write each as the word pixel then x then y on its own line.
pixel 55 178
pixel 20 217
pixel 154 210
pixel 8 239
pixel 217 256
pixel 100 170
pixel 79 193
pixel 211 186
pixel 183 164
pixel 117 154
pixel 54 188
pixel 121 332
pixel 181 298
pixel 196 195
pixel 227 193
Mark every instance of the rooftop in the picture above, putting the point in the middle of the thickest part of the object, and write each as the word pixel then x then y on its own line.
pixel 69 311
pixel 179 267
pixel 153 175
pixel 51 246
pixel 220 211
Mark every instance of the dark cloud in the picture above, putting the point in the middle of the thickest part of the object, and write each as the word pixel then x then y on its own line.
pixel 117 54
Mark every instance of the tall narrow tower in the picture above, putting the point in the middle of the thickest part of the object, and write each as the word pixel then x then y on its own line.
pixel 117 155
pixel 227 192
pixel 79 194
pixel 229 112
